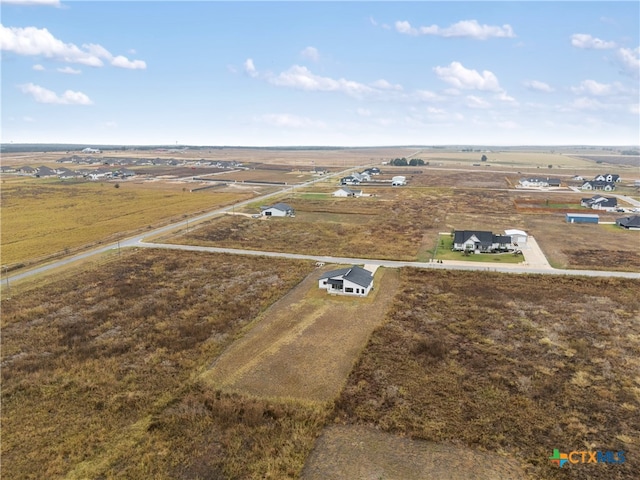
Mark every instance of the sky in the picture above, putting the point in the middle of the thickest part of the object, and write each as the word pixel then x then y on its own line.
pixel 327 73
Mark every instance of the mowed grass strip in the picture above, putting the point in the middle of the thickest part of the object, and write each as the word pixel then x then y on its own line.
pixel 42 217
pixel 305 345
pixel 100 372
pixel 512 364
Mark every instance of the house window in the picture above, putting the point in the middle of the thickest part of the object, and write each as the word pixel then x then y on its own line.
pixel 348 290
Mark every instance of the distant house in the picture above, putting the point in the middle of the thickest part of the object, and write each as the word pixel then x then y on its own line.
pixel 630 223
pixel 65 173
pixel 278 210
pixel 350 180
pixel 398 181
pixel 347 192
pixel 372 171
pixel 43 171
pixel 607 177
pixel 536 182
pixel 598 202
pixel 481 241
pixel 598 185
pixel 27 170
pixel 582 218
pixel 7 169
pixel 90 150
pixel 347 281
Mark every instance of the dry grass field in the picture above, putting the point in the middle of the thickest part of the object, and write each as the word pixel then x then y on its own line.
pixel 516 365
pixel 46 217
pixel 390 225
pixel 266 175
pixel 305 345
pixel 590 247
pixel 100 373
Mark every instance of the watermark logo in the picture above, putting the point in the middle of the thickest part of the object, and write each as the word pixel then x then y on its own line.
pixel 585 456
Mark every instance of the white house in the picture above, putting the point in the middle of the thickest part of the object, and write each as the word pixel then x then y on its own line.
pixel 91 150
pixel 278 210
pixel 539 182
pixel 481 242
pixel 347 192
pixel 598 202
pixel 398 180
pixel 598 185
pixel 608 177
pixel 354 281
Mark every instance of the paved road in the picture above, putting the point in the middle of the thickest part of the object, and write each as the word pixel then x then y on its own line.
pixel 535 262
pixel 447 265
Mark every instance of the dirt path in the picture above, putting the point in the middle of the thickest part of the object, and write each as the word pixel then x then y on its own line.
pixel 362 453
pixel 305 345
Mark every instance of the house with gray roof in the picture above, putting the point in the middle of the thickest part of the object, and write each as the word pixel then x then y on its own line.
pixel 598 202
pixel 278 210
pixel 481 242
pixel 347 192
pixel 353 280
pixel 630 223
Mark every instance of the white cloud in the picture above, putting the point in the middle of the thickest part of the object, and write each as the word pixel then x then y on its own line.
pixel 460 77
pixel 310 53
pixel 508 125
pixel 124 62
pixel 464 28
pixel 363 112
pixel 502 96
pixel 110 124
pixel 373 21
pixel 538 86
pixel 42 95
pixel 584 103
pixel 69 70
pixel 384 85
pixel 477 102
pixel 591 87
pixel 32 41
pixel 287 120
pixel 583 40
pixel 630 61
pixel 52 3
pixel 250 68
pixel 427 96
pixel 28 119
pixel 38 68
pixel 634 108
pixel 301 78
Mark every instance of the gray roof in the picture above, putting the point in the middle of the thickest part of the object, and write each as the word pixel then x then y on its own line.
pixel 629 222
pixel 355 274
pixel 281 206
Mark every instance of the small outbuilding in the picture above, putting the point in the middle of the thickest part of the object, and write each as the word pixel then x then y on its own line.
pixel 354 281
pixel 582 218
pixel 518 237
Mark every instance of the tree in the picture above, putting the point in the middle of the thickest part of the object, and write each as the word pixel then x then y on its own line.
pixel 484 158
pixel 416 161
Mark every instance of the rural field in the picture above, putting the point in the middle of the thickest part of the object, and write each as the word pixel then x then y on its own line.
pixel 100 372
pixel 137 367
pixel 515 365
pixel 47 217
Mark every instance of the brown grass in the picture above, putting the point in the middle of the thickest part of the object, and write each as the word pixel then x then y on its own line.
pixel 518 365
pixel 305 345
pixel 99 371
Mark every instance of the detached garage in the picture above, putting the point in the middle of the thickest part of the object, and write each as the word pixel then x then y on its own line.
pixel 582 218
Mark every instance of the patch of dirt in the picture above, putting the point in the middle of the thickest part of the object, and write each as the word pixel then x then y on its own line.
pixel 357 452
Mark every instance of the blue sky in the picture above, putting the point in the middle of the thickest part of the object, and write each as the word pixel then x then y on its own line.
pixel 320 73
